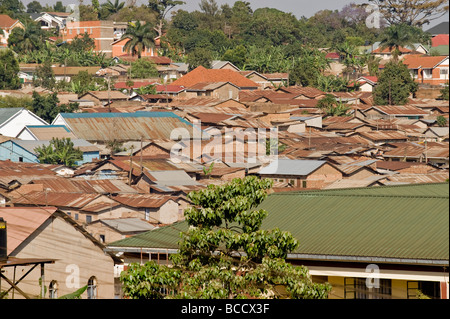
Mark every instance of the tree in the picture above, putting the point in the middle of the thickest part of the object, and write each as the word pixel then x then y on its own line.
pixel 9 68
pixel 199 57
pixel 225 253
pixel 44 76
pixel 333 107
pixel 140 37
pixel 143 68
pixel 401 35
pixel 47 108
pixel 444 93
pixel 412 12
pixel 28 39
pixel 112 8
pixel 162 8
pixel 59 151
pixel 441 121
pixel 395 85
pixel 34 7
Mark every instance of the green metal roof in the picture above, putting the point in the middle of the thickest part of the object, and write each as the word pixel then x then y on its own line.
pixel 391 222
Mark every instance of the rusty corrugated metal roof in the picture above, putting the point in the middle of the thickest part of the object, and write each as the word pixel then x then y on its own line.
pixel 124 126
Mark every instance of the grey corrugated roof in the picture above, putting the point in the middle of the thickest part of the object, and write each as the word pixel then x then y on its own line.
pixel 8 112
pixel 172 178
pixel 291 167
pixel 127 225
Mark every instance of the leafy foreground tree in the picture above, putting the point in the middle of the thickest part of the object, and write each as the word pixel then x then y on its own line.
pixel 225 253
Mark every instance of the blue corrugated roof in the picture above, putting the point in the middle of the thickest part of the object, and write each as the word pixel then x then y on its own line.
pixel 123 115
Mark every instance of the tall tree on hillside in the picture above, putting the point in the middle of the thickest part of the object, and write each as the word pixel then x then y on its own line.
pixel 162 8
pixel 140 37
pixel 225 254
pixel 412 12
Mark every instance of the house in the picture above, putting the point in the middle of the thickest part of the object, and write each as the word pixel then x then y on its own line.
pixel 104 98
pixel 156 209
pixel 51 20
pixel 118 49
pixel 431 70
pixel 394 111
pixel 224 65
pixel 382 137
pixel 72 257
pixel 103 127
pixel 427 152
pixel 436 134
pixel 109 230
pixel 219 90
pixel 301 173
pixel 267 80
pixel 104 33
pixel 367 83
pixel 25 150
pixel 347 237
pixel 203 75
pixel 7 24
pixel 14 119
pixel 386 53
pixel 45 132
pixel 66 73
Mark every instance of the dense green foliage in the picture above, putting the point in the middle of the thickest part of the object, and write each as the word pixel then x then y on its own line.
pixel 59 151
pixel 9 80
pixel 225 253
pixel 395 85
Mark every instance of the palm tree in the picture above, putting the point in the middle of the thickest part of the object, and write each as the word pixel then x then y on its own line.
pixel 140 37
pixel 396 37
pixel 112 8
pixel 26 40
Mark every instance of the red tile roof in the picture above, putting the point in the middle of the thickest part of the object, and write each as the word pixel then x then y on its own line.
pixel 201 74
pixel 417 61
pixel 440 39
pixel 387 50
pixel 6 21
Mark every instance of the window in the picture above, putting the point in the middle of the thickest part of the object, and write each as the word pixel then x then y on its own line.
pixel 88 219
pixel 102 238
pixel 304 184
pixel 147 214
pixel 444 73
pixel 427 74
pixel 356 288
pixel 53 289
pixel 76 216
pixel 427 289
pixel 92 288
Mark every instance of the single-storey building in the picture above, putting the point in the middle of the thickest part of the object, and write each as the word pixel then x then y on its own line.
pixel 73 257
pixel 301 173
pixel 347 238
